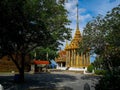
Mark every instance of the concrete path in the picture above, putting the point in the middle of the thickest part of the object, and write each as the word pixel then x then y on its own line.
pixel 52 81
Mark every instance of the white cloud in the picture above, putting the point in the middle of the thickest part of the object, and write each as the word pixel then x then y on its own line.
pixel 104 6
pixel 84 17
pixel 90 8
pixel 72 9
pixel 96 6
pixel 71 4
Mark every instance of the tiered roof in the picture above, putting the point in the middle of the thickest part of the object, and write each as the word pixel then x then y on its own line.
pixel 74 44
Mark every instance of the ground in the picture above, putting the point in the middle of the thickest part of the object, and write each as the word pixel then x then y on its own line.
pixel 55 80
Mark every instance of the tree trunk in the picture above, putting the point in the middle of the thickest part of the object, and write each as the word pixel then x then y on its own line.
pixel 22 67
pixel 20 76
pixel 21 73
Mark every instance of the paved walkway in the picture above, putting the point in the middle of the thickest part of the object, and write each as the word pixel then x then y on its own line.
pixel 51 81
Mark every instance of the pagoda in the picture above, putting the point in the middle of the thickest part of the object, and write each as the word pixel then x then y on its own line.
pixel 73 58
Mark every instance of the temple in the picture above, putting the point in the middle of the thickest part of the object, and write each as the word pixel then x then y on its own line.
pixel 70 57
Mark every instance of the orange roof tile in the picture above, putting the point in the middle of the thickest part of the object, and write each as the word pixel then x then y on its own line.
pixel 41 62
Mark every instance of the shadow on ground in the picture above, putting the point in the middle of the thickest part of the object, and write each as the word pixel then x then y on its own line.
pixel 90 77
pixel 41 81
pixel 6 81
pixel 94 78
pixel 55 88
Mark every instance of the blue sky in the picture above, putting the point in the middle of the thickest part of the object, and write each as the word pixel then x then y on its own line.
pixel 87 10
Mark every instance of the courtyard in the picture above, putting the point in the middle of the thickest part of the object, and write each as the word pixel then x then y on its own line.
pixel 55 80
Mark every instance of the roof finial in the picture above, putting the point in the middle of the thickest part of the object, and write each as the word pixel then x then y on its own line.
pixel 77 28
pixel 77 33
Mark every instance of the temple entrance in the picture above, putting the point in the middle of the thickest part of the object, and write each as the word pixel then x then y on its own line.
pixel 61 64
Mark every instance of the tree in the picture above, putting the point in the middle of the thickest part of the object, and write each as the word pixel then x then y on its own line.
pixel 98 63
pixel 102 36
pixel 27 24
pixel 93 36
pixel 43 53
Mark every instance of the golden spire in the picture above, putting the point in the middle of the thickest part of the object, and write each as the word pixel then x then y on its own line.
pixel 77 33
pixel 77 36
pixel 77 28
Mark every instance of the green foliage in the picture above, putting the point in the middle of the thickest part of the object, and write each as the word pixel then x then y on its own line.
pixel 93 36
pixel 98 63
pixel 90 68
pixel 102 36
pixel 100 72
pixel 27 24
pixel 33 23
pixel 109 82
pixel 43 54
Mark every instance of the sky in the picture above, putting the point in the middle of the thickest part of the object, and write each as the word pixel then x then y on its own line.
pixel 87 10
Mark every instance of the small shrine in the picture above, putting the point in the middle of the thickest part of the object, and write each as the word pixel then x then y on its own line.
pixel 39 65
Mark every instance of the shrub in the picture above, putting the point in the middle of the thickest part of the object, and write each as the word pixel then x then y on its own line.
pixel 108 82
pixel 90 68
pixel 100 72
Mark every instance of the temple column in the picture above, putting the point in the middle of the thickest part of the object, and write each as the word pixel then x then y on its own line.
pixel 84 59
pixel 67 61
pixel 77 59
pixel 61 65
pixel 74 57
pixel 81 59
pixel 69 58
pixel 88 59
